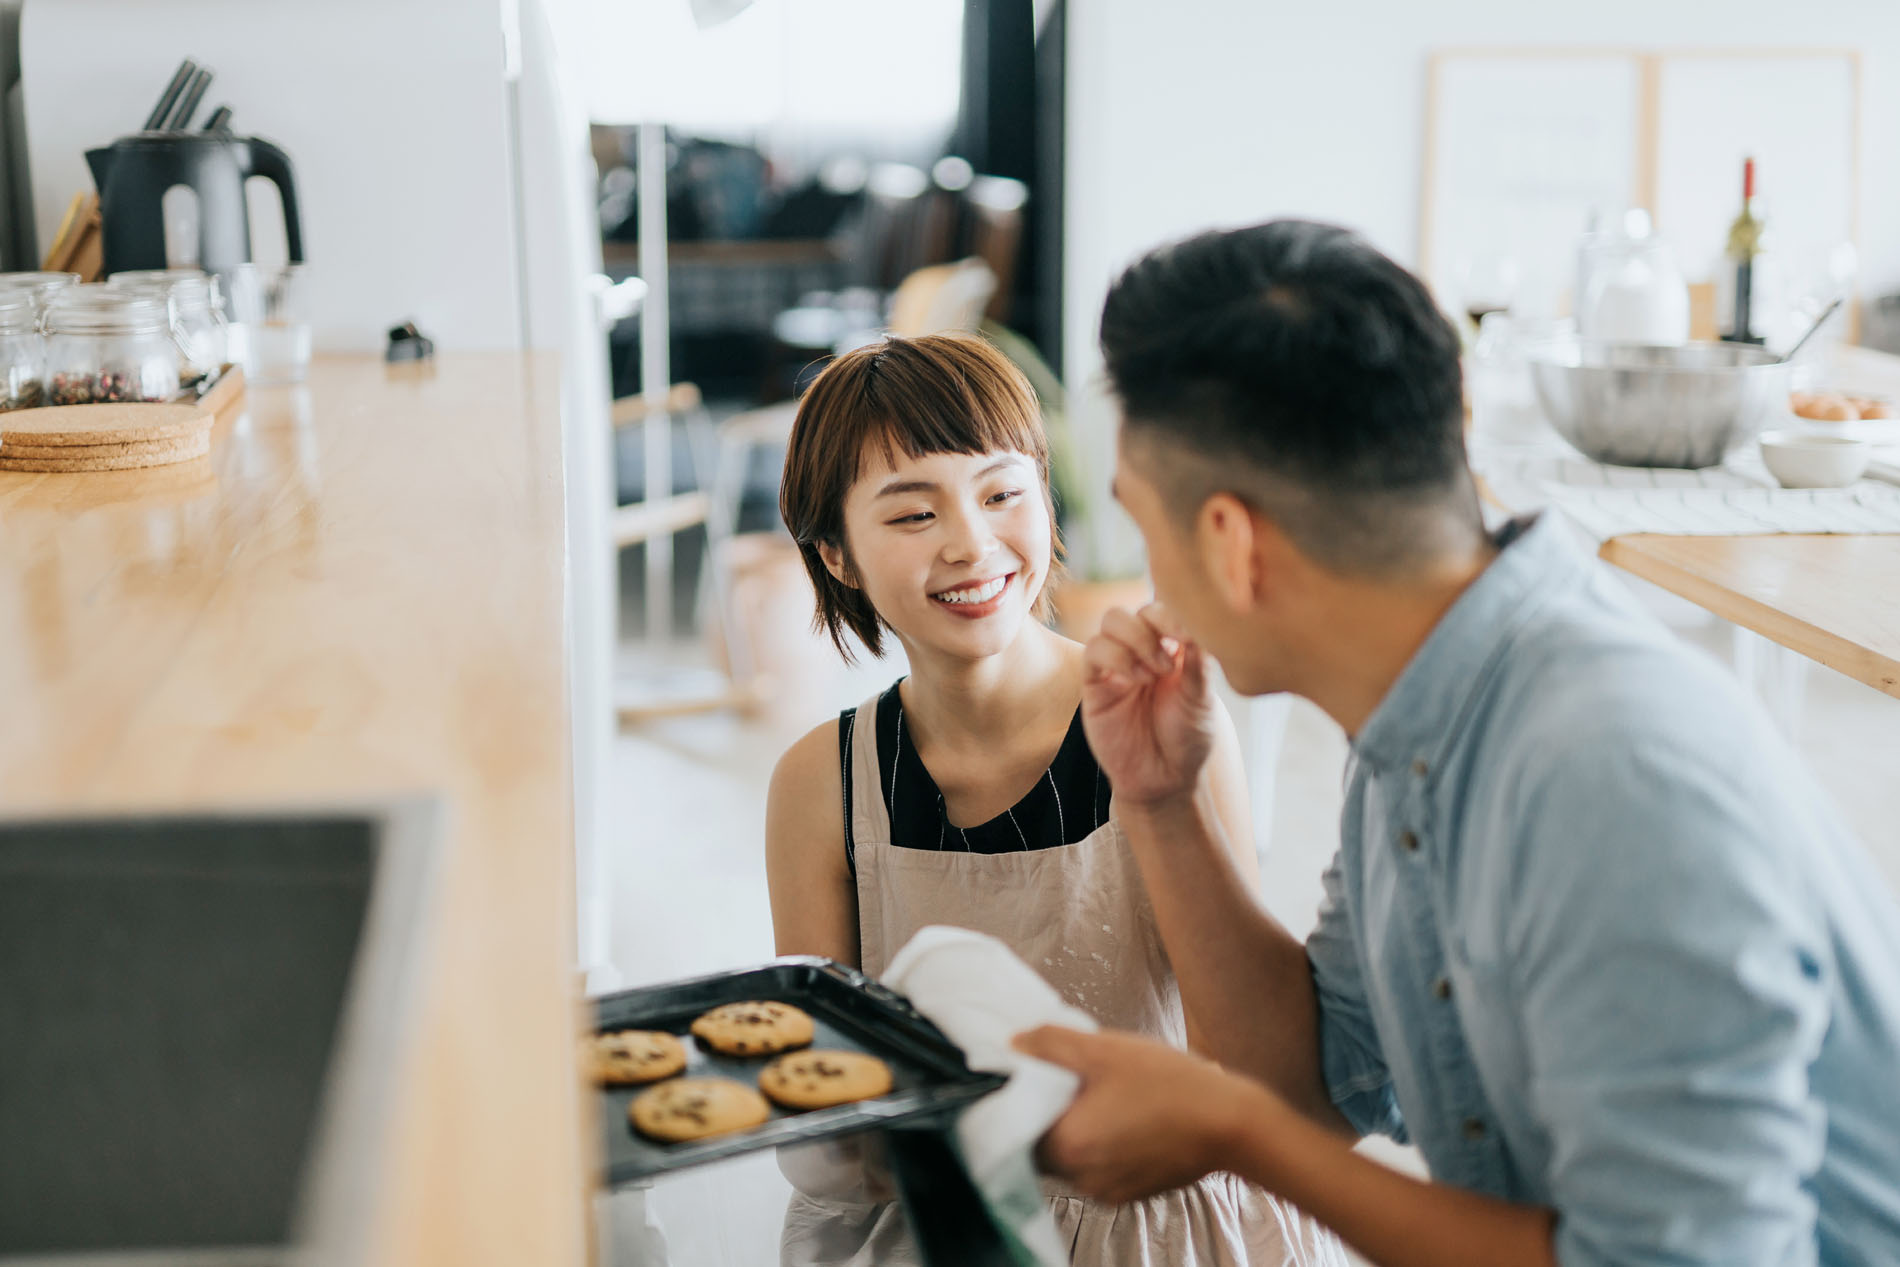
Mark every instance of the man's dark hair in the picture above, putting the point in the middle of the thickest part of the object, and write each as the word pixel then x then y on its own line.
pixel 1294 366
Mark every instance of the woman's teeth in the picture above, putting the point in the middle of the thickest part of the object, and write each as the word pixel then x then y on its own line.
pixel 977 594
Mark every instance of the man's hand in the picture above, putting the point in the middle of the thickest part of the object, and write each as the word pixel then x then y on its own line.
pixel 1148 1117
pixel 1146 706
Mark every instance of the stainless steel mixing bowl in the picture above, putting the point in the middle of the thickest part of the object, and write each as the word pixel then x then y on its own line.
pixel 1633 404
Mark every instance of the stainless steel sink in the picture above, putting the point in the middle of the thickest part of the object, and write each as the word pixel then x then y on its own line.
pixel 200 1023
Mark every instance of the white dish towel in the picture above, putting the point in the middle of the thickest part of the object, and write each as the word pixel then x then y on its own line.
pixel 975 989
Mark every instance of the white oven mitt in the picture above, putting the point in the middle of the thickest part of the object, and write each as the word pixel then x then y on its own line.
pixel 975 989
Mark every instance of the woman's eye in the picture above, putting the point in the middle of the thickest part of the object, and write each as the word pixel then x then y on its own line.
pixel 922 516
pixel 1007 495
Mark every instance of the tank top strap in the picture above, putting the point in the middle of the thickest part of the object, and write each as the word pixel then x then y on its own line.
pixel 866 818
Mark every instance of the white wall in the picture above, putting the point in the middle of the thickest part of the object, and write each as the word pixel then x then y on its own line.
pixel 393 113
pixel 1198 113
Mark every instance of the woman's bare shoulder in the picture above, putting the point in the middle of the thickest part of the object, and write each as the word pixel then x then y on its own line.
pixel 806 798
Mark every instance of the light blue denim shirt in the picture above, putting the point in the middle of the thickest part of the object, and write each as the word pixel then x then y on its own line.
pixel 1594 940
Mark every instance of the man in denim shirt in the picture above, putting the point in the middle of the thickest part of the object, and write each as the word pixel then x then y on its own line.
pixel 1593 941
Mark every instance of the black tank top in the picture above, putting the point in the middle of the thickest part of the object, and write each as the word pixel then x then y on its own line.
pixel 1068 803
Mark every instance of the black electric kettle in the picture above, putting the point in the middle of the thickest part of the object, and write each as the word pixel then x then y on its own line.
pixel 134 172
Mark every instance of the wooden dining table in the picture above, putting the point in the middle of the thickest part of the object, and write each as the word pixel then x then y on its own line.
pixel 1833 598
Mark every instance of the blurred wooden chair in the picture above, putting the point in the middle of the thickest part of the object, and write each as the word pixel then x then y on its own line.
pixel 721 457
pixel 942 297
pixel 638 521
pixel 993 232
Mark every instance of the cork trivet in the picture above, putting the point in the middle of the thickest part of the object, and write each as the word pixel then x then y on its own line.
pixel 102 424
pixel 73 452
pixel 174 485
pixel 181 451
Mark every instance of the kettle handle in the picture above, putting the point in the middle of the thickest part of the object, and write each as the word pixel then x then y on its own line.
pixel 274 165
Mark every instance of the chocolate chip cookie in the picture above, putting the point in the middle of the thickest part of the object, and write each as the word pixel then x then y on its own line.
pixel 628 1057
pixel 819 1079
pixel 753 1029
pixel 697 1108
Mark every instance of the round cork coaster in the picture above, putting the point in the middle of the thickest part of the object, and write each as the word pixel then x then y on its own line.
pixel 101 424
pixel 178 451
pixel 69 452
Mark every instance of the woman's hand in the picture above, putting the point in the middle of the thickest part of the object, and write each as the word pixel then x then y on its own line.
pixel 1147 706
pixel 1148 1118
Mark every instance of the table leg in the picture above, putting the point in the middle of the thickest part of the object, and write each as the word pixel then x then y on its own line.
pixel 1775 673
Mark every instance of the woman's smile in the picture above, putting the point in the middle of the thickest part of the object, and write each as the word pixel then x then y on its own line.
pixel 975 599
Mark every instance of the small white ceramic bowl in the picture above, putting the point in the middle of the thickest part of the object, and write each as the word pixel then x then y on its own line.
pixel 1806 459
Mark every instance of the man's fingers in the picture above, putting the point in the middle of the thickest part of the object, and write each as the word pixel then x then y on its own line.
pixel 1140 636
pixel 1193 670
pixel 1066 1047
pixel 1158 615
pixel 1105 656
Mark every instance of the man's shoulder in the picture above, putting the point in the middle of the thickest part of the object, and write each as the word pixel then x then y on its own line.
pixel 1613 737
pixel 1582 674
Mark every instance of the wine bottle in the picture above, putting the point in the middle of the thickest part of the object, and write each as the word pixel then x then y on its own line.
pixel 1744 245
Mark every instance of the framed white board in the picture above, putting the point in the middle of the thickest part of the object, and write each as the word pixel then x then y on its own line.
pixel 1519 151
pixel 1522 146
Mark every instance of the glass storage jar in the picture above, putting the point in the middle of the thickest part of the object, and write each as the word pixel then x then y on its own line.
pixel 22 353
pixel 42 286
pixel 105 344
pixel 197 316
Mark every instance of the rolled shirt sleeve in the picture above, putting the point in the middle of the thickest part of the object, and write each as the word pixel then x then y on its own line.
pixel 1351 1061
pixel 1670 977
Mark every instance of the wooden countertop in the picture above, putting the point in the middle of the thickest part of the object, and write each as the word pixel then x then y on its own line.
pixel 359 592
pixel 1835 599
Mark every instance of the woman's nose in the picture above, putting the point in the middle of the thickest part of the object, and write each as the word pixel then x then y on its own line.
pixel 969 540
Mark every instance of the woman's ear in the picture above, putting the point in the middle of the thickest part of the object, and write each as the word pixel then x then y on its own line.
pixel 1230 541
pixel 836 564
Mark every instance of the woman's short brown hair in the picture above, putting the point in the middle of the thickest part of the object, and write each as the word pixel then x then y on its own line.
pixel 936 393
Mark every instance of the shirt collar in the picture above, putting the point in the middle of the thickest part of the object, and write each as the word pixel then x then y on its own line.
pixel 1426 709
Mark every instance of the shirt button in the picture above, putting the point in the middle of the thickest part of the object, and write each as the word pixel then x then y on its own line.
pixel 1419 767
pixel 1408 841
pixel 1474 1129
pixel 1441 988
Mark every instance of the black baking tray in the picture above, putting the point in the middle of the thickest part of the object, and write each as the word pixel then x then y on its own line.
pixel 850 1011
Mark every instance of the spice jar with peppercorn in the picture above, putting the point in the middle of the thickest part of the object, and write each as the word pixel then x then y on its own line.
pixel 197 316
pixel 42 286
pixel 105 344
pixel 22 353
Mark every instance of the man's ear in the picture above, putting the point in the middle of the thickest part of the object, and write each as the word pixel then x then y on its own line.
pixel 836 565
pixel 1230 538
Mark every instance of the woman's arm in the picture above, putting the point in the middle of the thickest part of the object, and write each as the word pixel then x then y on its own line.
pixel 814 902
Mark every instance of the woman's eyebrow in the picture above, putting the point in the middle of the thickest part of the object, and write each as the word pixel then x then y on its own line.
pixel 899 487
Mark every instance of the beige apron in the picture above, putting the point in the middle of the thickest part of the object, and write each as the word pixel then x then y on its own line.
pixel 1079 915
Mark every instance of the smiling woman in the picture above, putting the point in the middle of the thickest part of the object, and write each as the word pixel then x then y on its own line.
pixel 916 484
pixel 963 423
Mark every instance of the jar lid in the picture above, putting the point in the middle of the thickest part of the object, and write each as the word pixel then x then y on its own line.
pixel 18 309
pixel 42 286
pixel 95 308
pixel 191 289
pixel 146 276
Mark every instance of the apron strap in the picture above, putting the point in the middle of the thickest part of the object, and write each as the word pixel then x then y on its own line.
pixel 867 819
